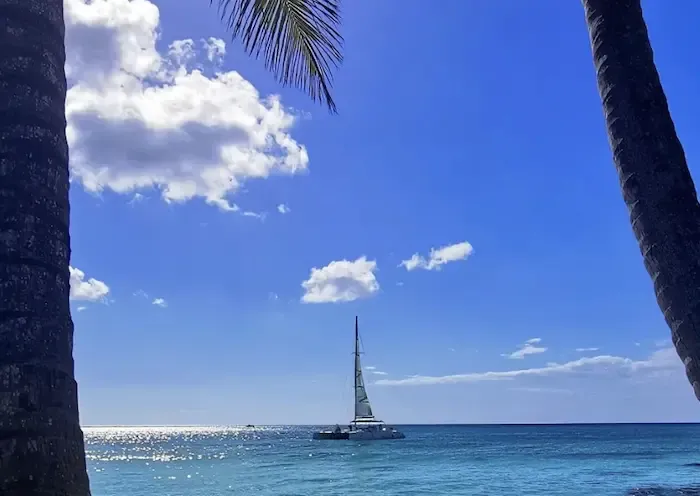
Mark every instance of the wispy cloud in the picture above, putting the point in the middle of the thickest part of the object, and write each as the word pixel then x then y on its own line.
pixel 527 348
pixel 583 350
pixel 439 257
pixel 257 215
pixel 543 390
pixel 138 197
pixel 283 209
pixel 373 370
pixel 659 361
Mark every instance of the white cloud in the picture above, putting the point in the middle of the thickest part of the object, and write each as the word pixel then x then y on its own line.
pixel 583 350
pixel 136 198
pixel 160 302
pixel 439 257
pixel 527 348
pixel 175 122
pixel 81 309
pixel 659 362
pixel 258 215
pixel 215 48
pixel 140 293
pixel 283 209
pixel 86 289
pixel 341 281
pixel 373 370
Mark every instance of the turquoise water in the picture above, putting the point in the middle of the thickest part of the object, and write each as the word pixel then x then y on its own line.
pixel 639 460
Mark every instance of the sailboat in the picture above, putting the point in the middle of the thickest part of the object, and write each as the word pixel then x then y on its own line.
pixel 364 426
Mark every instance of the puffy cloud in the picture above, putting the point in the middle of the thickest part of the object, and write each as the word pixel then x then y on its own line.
pixel 86 289
pixel 660 362
pixel 283 209
pixel 174 122
pixel 527 348
pixel 160 302
pixel 341 281
pixel 439 257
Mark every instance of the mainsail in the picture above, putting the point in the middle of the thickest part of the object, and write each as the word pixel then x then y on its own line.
pixel 363 409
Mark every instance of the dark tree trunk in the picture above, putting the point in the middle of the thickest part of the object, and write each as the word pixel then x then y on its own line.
pixel 41 444
pixel 656 183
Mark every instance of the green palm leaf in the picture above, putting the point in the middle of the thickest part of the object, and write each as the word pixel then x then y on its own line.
pixel 299 40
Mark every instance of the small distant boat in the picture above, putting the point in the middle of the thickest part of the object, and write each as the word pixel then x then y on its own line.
pixel 250 426
pixel 364 426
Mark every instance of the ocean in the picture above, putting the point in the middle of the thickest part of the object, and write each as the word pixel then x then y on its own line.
pixel 460 460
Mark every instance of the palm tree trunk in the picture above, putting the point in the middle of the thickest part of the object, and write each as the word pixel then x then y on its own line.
pixel 656 183
pixel 41 444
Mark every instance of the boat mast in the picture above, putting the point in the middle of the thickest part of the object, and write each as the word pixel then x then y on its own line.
pixel 357 354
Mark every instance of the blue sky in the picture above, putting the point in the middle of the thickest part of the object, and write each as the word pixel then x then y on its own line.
pixel 476 123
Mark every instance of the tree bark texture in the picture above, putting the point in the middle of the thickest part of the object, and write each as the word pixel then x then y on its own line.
pixel 656 183
pixel 41 444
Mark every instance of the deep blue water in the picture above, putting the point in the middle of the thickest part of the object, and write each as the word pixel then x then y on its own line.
pixel 639 460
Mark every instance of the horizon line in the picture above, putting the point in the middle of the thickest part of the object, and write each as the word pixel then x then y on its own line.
pixel 453 424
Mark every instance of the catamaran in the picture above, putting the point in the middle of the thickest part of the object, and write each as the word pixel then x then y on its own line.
pixel 364 426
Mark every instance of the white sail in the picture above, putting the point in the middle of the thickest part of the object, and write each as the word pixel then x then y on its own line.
pixel 362 407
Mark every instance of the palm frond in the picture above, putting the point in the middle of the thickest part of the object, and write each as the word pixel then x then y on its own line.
pixel 298 39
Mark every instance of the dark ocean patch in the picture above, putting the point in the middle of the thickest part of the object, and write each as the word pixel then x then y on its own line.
pixel 665 491
pixel 694 464
pixel 618 473
pixel 595 455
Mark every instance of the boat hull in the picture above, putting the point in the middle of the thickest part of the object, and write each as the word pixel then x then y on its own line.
pixel 375 434
pixel 332 436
